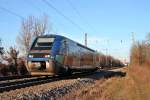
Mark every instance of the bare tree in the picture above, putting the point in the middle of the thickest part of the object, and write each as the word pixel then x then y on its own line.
pixel 31 27
pixel 40 26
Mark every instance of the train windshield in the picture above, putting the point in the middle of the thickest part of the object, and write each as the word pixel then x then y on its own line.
pixel 43 44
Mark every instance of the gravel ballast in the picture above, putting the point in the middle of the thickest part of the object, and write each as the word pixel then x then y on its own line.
pixel 57 89
pixel 52 91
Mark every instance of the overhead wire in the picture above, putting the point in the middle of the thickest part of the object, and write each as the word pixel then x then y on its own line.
pixel 29 2
pixel 74 8
pixel 63 15
pixel 12 13
pixel 78 13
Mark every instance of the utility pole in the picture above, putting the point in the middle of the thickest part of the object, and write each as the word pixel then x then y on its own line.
pixel 99 58
pixel 86 39
pixel 106 56
pixel 133 38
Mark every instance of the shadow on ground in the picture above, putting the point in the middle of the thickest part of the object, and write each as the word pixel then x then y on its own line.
pixel 106 74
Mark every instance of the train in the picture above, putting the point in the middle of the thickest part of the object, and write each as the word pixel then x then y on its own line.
pixel 52 54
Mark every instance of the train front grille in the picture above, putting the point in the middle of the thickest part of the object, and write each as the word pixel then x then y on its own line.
pixel 39 56
pixel 38 65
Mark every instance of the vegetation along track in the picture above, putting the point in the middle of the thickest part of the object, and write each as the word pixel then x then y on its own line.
pixel 26 82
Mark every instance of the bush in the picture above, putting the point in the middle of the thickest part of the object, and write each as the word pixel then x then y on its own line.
pixel 11 69
pixel 4 70
pixel 140 54
pixel 21 66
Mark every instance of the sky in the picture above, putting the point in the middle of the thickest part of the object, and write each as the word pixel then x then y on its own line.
pixel 108 23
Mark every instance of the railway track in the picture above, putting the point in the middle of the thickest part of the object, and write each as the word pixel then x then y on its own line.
pixel 26 82
pixel 5 78
pixel 7 86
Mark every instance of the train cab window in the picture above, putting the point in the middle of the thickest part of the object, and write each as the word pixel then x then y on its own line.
pixel 43 43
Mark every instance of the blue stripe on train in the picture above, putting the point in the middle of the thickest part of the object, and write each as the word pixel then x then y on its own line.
pixel 56 46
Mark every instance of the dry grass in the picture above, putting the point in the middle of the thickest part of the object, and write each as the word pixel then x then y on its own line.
pixel 140 75
pixel 93 92
pixel 135 86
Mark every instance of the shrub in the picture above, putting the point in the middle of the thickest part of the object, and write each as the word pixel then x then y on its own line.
pixel 21 66
pixel 140 54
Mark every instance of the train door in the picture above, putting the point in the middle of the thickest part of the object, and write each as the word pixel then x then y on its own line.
pixel 75 55
pixel 66 50
pixel 68 53
pixel 61 54
pixel 96 59
pixel 79 57
pixel 76 59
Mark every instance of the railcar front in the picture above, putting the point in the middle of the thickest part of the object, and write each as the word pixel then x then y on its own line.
pixel 40 60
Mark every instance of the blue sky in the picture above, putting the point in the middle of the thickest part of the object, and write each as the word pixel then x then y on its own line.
pixel 107 22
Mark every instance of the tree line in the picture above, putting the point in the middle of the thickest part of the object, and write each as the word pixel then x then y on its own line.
pixel 140 52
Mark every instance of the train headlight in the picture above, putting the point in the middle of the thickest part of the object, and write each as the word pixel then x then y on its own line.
pixel 52 57
pixel 47 56
pixel 30 56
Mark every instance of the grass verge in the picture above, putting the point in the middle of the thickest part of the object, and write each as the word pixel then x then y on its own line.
pixel 134 86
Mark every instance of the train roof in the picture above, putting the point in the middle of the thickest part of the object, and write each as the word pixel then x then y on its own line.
pixel 50 35
pixel 55 35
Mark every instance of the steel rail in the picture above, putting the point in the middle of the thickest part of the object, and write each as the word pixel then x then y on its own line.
pixel 7 86
pixel 5 78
